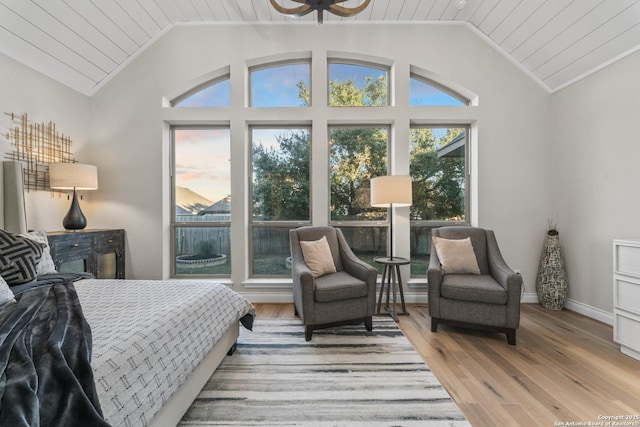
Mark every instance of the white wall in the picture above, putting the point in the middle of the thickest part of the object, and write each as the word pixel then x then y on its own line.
pixel 594 156
pixel 129 145
pixel 23 90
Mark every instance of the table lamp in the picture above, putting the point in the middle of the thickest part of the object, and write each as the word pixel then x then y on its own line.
pixel 391 191
pixel 73 176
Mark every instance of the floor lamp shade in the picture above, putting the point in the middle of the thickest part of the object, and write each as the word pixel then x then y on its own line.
pixel 391 191
pixel 73 176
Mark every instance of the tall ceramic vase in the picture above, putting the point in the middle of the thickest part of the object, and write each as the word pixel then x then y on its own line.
pixel 552 285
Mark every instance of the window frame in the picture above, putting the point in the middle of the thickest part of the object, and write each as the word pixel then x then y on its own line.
pixel 359 63
pixel 276 64
pixel 252 224
pixel 431 224
pixel 442 88
pixel 174 224
pixel 359 223
pixel 199 88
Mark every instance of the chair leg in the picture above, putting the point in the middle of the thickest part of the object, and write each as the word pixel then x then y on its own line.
pixel 308 332
pixel 511 336
pixel 434 324
pixel 368 323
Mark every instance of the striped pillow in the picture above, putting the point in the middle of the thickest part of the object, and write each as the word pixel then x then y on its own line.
pixel 19 258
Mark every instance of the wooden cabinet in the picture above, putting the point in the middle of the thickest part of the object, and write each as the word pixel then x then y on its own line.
pixel 99 252
pixel 626 296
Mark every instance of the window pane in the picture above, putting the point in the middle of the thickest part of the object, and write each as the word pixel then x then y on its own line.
pixel 438 172
pixel 357 86
pixel 281 86
pixel 202 175
pixel 280 174
pixel 367 243
pixel 422 93
pixel 271 251
pixel 356 155
pixel 203 250
pixel 216 95
pixel 420 249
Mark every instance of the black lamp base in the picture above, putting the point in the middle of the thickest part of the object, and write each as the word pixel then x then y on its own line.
pixel 74 219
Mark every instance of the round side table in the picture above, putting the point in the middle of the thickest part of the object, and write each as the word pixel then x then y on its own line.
pixel 391 279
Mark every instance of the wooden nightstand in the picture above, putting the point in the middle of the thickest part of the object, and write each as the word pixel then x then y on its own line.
pixel 99 252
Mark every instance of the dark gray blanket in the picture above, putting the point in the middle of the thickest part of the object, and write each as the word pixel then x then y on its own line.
pixel 45 352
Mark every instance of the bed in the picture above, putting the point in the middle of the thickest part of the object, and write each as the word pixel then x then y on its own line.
pixel 154 343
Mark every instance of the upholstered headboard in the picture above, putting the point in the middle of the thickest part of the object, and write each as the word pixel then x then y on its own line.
pixel 13 216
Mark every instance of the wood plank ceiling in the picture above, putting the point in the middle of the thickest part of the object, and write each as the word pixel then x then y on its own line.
pixel 83 43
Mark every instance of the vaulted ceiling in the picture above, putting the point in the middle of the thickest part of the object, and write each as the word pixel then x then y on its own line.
pixel 83 43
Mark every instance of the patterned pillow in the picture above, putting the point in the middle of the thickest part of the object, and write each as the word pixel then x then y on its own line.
pixel 46 264
pixel 19 258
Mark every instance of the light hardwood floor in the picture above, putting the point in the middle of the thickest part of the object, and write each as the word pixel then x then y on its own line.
pixel 565 368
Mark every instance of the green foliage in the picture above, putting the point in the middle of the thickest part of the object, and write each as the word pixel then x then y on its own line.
pixel 356 155
pixel 281 176
pixel 281 179
pixel 438 182
pixel 346 94
pixel 206 248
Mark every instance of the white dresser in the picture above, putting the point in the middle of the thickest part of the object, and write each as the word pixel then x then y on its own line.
pixel 626 296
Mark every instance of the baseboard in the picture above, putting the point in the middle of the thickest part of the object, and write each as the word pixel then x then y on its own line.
pixel 421 298
pixel 578 307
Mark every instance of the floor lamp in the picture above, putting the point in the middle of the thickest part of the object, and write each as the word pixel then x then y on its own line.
pixel 391 191
pixel 73 176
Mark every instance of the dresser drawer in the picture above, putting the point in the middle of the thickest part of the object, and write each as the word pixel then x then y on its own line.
pixel 627 330
pixel 107 239
pixel 627 295
pixel 627 260
pixel 66 243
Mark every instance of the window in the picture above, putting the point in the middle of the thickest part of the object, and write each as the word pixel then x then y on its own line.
pixel 284 181
pixel 353 85
pixel 356 154
pixel 280 190
pixel 281 86
pixel 424 92
pixel 215 94
pixel 440 186
pixel 202 201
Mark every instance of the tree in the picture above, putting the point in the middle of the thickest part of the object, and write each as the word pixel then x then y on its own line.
pixel 281 179
pixel 438 182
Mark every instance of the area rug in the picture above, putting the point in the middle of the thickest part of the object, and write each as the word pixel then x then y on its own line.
pixel 344 376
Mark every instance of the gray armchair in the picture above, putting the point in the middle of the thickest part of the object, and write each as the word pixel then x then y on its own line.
pixel 346 296
pixel 489 301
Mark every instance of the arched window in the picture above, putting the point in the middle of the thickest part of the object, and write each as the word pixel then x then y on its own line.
pixel 422 91
pixel 357 85
pixel 311 162
pixel 282 85
pixel 216 93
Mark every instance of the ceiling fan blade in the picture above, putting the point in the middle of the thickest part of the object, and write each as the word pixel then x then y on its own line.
pixel 292 11
pixel 348 11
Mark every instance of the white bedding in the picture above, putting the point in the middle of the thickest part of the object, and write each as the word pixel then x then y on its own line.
pixel 149 335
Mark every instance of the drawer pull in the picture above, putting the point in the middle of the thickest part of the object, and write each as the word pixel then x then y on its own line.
pixel 109 241
pixel 75 245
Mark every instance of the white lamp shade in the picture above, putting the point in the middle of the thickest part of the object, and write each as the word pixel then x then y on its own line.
pixel 69 176
pixel 391 190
